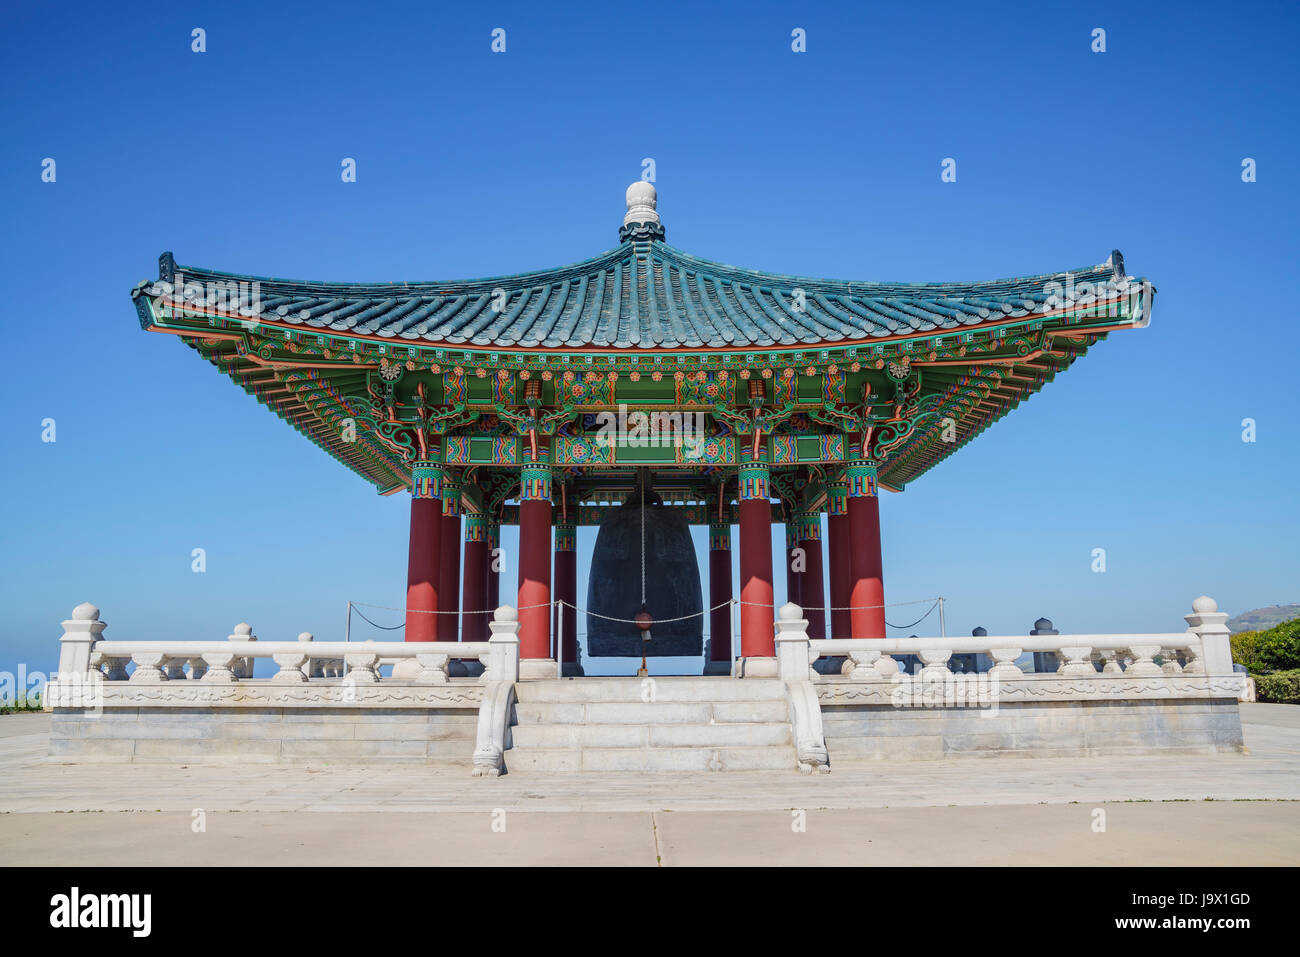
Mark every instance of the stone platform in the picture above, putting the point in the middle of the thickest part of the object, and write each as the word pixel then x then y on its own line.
pixel 1031 729
pixel 402 702
pixel 433 736
pixel 1214 809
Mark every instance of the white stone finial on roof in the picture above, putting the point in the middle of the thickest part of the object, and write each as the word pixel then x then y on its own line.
pixel 641 202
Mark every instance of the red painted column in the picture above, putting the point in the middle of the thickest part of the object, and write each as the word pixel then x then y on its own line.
pixel 449 571
pixel 812 592
pixel 566 590
pixel 720 592
pixel 422 562
pixel 757 617
pixel 868 590
pixel 839 556
pixel 494 560
pixel 474 595
pixel 535 562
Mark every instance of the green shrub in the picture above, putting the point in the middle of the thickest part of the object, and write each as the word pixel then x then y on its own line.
pixel 1278 649
pixel 1245 650
pixel 1275 649
pixel 1280 687
pixel 28 702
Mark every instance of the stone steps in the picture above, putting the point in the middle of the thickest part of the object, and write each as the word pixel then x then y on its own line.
pixel 649 759
pixel 663 724
pixel 659 712
pixel 675 689
pixel 731 735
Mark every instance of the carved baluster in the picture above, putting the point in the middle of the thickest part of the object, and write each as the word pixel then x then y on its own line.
pixel 198 668
pixel 1004 663
pixel 221 667
pixel 1110 661
pixel 362 668
pixel 861 665
pixel 1169 661
pixel 291 664
pixel 433 669
pixel 1143 663
pixel 1076 661
pixel 1194 663
pixel 936 662
pixel 174 668
pixel 148 666
pixel 113 667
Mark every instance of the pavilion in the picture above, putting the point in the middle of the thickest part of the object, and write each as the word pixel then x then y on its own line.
pixel 546 398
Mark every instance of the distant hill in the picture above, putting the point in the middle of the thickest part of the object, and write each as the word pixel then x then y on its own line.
pixel 1261 618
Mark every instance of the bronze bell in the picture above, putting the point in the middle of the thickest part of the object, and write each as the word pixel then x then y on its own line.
pixel 672 583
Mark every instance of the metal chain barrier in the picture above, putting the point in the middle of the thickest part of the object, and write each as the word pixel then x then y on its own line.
pixel 559 602
pixel 632 621
pixel 380 627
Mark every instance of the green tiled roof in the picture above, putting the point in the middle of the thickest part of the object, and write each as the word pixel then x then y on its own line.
pixel 643 294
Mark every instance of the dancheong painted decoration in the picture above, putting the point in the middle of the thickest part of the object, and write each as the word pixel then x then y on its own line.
pixel 545 398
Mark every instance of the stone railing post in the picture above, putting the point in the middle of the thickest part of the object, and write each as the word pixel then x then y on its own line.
pixel 80 632
pixel 500 674
pixel 244 666
pixel 1208 623
pixel 794 661
pixel 313 667
pixel 792 650
pixel 503 659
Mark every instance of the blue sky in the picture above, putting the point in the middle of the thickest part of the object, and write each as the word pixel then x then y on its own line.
pixel 820 163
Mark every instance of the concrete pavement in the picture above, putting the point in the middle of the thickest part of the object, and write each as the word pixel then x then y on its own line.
pixel 961 811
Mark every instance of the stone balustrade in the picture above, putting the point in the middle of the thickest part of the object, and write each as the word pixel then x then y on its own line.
pixel 1195 661
pixel 197 700
pixel 86 656
pixel 1078 655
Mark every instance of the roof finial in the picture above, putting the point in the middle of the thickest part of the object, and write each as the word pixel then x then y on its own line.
pixel 641 221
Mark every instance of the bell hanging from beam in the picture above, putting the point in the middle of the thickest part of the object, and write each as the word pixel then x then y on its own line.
pixel 644 561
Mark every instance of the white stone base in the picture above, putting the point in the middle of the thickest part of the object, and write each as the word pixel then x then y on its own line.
pixel 1030 729
pixel 756 668
pixel 533 668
